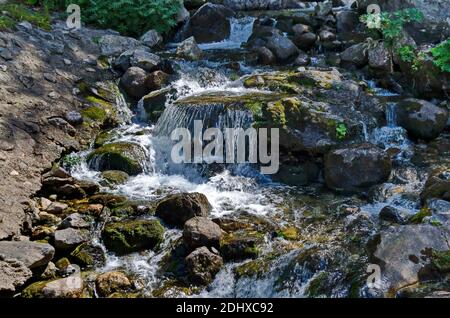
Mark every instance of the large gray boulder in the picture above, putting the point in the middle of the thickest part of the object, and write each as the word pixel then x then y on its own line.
pixel 356 168
pixel 421 119
pixel 402 248
pixel 211 23
pixel 31 254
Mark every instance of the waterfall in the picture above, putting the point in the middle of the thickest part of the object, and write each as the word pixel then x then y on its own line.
pixel 241 30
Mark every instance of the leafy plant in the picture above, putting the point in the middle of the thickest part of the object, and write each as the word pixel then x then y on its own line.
pixel 391 23
pixel 341 131
pixel 441 56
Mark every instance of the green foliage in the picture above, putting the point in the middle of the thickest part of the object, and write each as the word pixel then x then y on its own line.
pixel 441 56
pixel 341 131
pixel 130 17
pixel 391 23
pixel 17 12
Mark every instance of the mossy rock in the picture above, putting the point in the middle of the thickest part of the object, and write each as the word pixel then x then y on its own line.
pixel 87 255
pixel 132 236
pixel 114 177
pixel 241 245
pixel 123 156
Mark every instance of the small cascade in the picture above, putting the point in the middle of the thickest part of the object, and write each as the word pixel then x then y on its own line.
pixel 241 30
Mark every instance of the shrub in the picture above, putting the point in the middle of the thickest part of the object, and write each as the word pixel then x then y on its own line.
pixel 441 56
pixel 391 23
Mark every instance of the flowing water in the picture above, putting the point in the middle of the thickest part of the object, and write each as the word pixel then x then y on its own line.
pixel 231 189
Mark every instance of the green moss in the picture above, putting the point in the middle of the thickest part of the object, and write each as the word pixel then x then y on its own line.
pixel 441 260
pixel 94 113
pixel 419 216
pixel 131 236
pixel 317 286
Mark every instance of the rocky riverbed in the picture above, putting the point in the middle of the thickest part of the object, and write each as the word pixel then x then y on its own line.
pixel 91 204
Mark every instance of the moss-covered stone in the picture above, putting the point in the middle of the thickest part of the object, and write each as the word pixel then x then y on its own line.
pixel 132 236
pixel 123 156
pixel 114 177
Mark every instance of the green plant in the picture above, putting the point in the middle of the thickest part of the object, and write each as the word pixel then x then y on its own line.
pixel 441 56
pixel 341 131
pixel 391 23
pixel 130 17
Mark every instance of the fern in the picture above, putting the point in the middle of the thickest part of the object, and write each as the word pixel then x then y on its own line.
pixel 441 56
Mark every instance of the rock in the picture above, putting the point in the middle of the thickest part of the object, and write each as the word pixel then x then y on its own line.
pixel 151 39
pixel 31 254
pixel 134 82
pixel 176 209
pixel 282 47
pixel 437 186
pixel 327 36
pixel 189 50
pixel 122 156
pixel 323 8
pixel 380 59
pixel 74 118
pixel 13 275
pixel 346 21
pixel 114 177
pixel 299 29
pixel 56 208
pixel 88 255
pixel 265 56
pixel 74 220
pixel 202 265
pixel 68 239
pixel 156 80
pixel 392 214
pixel 240 245
pixel 112 282
pixel 356 168
pixel 69 287
pixel 200 231
pixel 401 249
pixel 355 56
pixel 421 119
pixel 210 23
pixel 145 60
pixel 305 41
pixel 132 236
pixel 114 45
pixel 302 59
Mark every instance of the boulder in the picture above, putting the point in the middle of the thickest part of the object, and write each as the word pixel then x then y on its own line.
pixel 31 254
pixel 355 56
pixel 68 239
pixel 189 50
pixel 132 236
pixel 282 47
pixel 134 82
pixel 200 231
pixel 122 156
pixel 380 59
pixel 202 265
pixel 211 23
pixel 69 287
pixel 114 45
pixel 356 168
pixel 76 221
pixel 88 255
pixel 112 282
pixel 151 38
pixel 305 41
pixel 437 186
pixel 176 209
pixel 402 248
pixel 13 275
pixel 421 119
